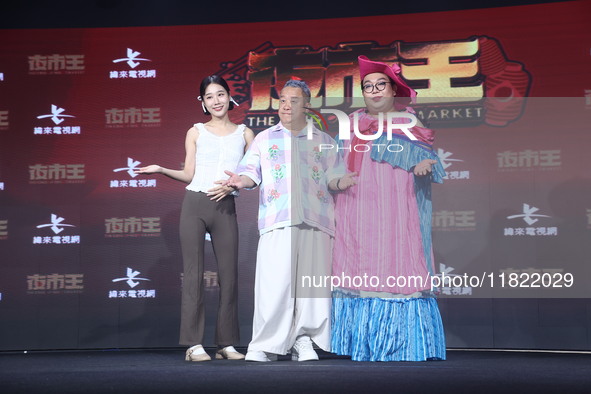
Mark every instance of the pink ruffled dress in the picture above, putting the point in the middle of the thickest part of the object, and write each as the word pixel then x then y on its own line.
pixel 383 244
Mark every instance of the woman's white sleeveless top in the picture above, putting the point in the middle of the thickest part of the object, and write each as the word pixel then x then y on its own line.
pixel 214 155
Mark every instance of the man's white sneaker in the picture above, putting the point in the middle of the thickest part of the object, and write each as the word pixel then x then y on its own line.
pixel 303 350
pixel 260 356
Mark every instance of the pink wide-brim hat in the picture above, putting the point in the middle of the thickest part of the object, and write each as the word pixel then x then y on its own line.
pixel 367 66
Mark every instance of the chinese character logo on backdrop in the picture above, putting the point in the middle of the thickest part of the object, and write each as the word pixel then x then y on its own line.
pixel 459 83
pixel 57 226
pixel 56 115
pixel 530 217
pixel 132 58
pixel 447 161
pixel 133 61
pixel 132 279
pixel 132 165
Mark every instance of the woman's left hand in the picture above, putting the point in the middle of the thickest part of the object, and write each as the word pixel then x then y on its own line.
pixel 220 191
pixel 424 167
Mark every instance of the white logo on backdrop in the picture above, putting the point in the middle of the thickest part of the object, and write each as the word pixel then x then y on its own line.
pixel 131 167
pixel 447 161
pixel 529 212
pixel 452 284
pixel 56 224
pixel 131 278
pixel 445 158
pixel 530 217
pixel 132 58
pixel 56 115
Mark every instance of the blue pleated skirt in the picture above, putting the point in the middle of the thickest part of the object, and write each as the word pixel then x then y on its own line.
pixel 387 329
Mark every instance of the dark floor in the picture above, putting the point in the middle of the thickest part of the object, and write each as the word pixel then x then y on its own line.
pixel 165 371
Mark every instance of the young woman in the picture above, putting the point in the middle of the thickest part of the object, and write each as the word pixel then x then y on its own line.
pixel 383 230
pixel 208 207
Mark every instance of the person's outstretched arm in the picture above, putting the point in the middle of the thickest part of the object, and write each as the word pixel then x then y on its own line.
pixel 186 174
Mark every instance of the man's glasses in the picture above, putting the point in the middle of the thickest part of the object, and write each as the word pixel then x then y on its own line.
pixel 369 88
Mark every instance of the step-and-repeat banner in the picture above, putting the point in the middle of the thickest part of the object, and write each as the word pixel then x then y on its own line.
pixel 89 250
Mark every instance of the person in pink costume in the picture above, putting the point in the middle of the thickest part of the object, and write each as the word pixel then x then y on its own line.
pixel 384 309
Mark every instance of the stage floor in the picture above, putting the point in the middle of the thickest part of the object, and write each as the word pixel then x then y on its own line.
pixel 165 371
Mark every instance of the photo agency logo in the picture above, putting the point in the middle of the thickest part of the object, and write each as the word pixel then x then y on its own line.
pixel 392 120
pixel 530 217
pixel 533 277
pixel 450 284
pixel 132 280
pixel 132 61
pixel 132 165
pixel 57 116
pixel 56 64
pixel 57 226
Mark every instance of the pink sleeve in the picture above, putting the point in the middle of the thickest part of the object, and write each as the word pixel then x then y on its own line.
pixel 424 134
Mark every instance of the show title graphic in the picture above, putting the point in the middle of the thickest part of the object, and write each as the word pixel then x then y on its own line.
pixel 56 64
pixel 459 83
